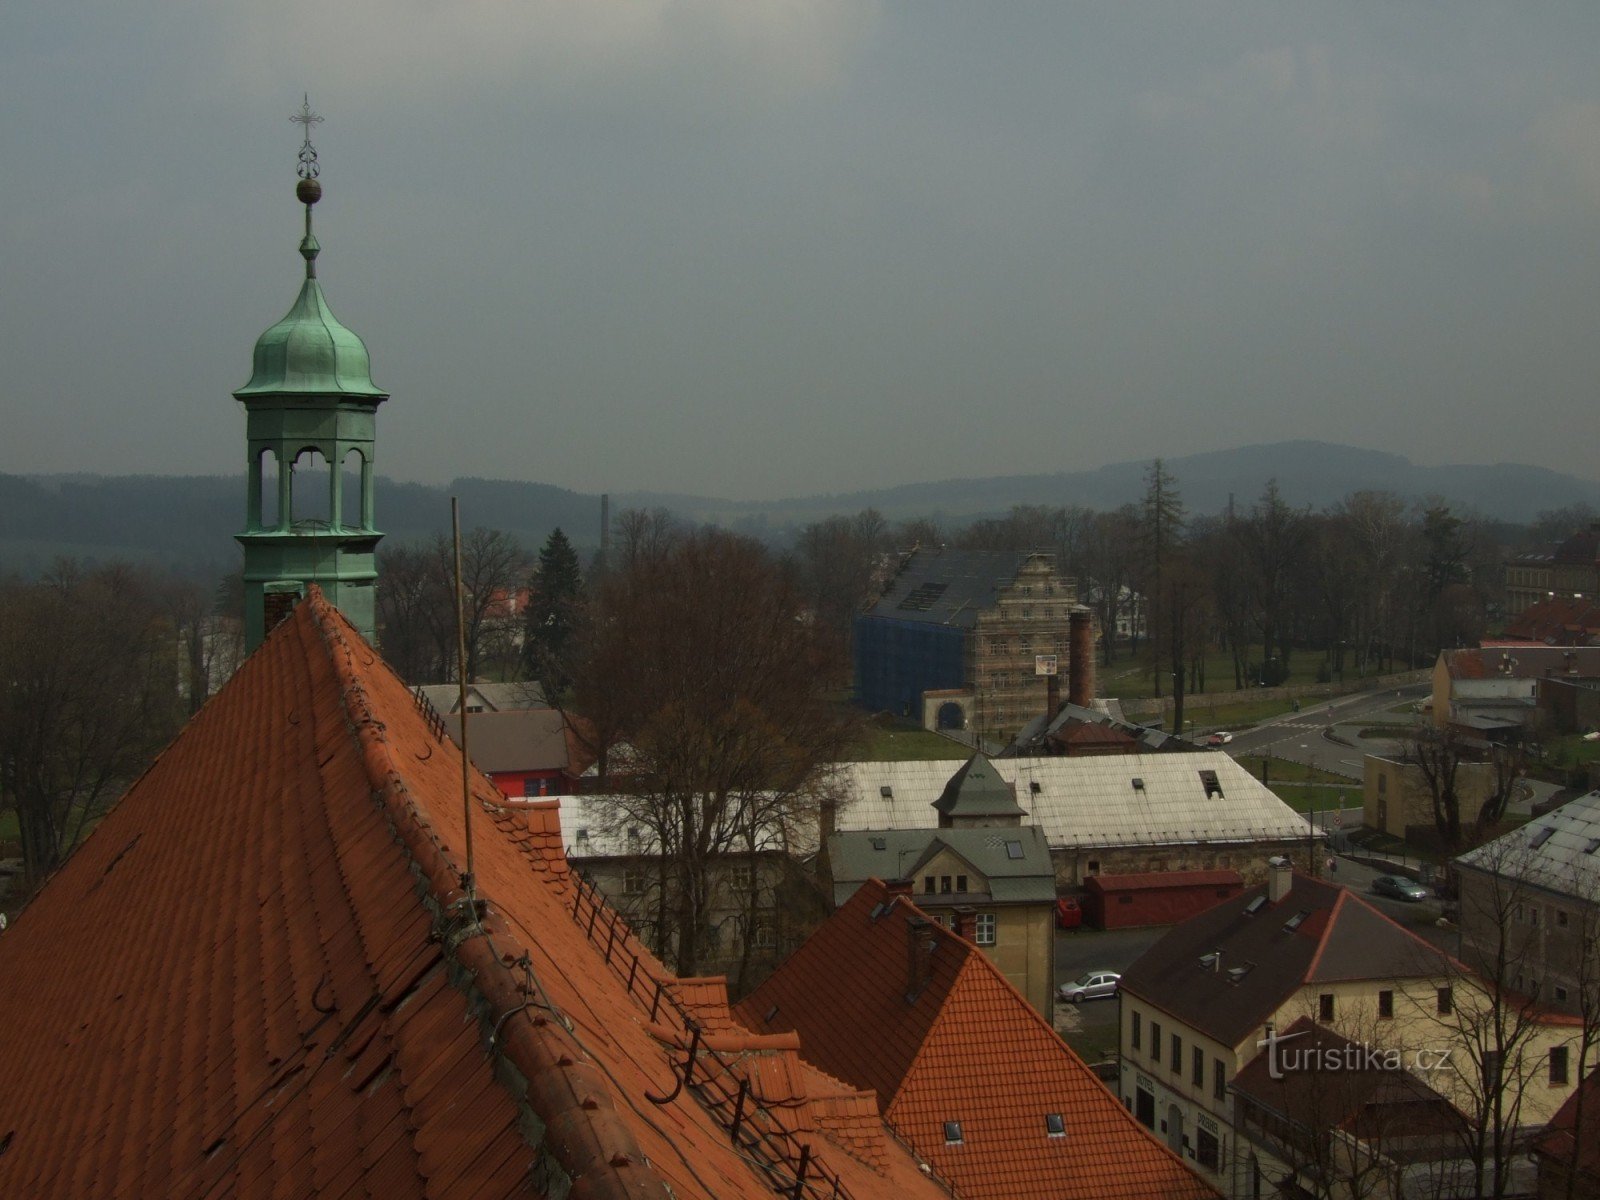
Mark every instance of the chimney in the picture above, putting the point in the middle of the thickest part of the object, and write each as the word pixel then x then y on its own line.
pixel 919 954
pixel 967 924
pixel 1280 878
pixel 897 887
pixel 1080 658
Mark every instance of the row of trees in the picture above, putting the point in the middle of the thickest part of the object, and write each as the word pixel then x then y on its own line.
pixel 98 669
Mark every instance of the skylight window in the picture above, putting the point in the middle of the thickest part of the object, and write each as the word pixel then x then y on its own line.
pixel 1208 962
pixel 952 1133
pixel 1594 844
pixel 886 792
pixel 1138 784
pixel 879 843
pixel 1296 921
pixel 1540 837
pixel 1013 849
pixel 1255 906
pixel 1055 1125
pixel 1208 780
pixel 1235 974
pixel 922 597
pixel 1033 786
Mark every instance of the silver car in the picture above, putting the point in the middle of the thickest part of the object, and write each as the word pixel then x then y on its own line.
pixel 1091 985
pixel 1399 888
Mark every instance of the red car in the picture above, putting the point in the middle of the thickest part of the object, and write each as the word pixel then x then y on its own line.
pixel 1068 914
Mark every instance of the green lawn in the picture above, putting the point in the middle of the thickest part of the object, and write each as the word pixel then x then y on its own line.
pixel 906 744
pixel 1227 716
pixel 1565 753
pixel 1304 788
pixel 1129 678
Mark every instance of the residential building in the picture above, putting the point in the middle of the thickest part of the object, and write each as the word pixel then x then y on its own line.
pixel 1353 1124
pixel 964 1070
pixel 998 873
pixel 1494 694
pixel 1117 814
pixel 1570 568
pixel 482 696
pixel 1530 905
pixel 1396 797
pixel 977 623
pixel 765 899
pixel 527 751
pixel 1205 1000
pixel 268 972
pixel 1557 621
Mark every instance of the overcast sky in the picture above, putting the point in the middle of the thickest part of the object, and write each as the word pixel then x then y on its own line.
pixel 757 248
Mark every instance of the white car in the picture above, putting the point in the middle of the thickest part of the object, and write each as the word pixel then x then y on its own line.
pixel 1091 985
pixel 1220 738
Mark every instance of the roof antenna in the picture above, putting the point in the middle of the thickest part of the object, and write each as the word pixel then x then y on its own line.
pixel 467 879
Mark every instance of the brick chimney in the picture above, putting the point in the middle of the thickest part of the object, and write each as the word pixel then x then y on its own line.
pixel 1080 657
pixel 967 924
pixel 919 955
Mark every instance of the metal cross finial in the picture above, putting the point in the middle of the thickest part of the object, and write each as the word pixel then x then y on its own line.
pixel 308 168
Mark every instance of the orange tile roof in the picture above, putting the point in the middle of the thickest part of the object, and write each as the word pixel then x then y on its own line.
pixel 969 1048
pixel 259 978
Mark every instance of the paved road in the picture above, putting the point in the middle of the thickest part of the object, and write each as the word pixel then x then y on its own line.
pixel 1301 737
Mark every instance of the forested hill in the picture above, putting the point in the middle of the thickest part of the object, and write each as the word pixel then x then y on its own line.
pixel 189 521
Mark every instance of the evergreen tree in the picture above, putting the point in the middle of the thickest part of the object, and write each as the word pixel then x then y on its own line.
pixel 1161 519
pixel 552 613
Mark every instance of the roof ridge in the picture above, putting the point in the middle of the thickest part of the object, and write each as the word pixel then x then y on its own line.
pixel 563 1085
pixel 1327 932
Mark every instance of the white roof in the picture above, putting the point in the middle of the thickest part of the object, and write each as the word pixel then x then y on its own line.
pixel 1087 802
pixel 1559 851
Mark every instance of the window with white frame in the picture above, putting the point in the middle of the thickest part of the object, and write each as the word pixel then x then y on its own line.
pixel 985 929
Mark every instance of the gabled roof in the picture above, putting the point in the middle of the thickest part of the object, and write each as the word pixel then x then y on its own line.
pixel 965 1047
pixel 523 739
pixel 1016 862
pixel 949 587
pixel 1076 725
pixel 1358 1091
pixel 1088 802
pixel 1523 662
pixel 1559 851
pixel 977 790
pixel 1567 1144
pixel 1558 621
pixel 495 697
pixel 1318 933
pixel 259 977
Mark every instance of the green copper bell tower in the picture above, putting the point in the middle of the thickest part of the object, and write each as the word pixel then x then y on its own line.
pixel 311 420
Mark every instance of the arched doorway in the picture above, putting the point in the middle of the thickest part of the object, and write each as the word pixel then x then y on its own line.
pixel 951 716
pixel 1174 1129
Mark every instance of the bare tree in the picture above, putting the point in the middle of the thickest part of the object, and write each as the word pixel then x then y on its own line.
pixel 89 694
pixel 416 604
pixel 700 660
pixel 641 534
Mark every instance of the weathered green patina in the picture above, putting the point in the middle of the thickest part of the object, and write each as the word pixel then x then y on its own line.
pixel 310 398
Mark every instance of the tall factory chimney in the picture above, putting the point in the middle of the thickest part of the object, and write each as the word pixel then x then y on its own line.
pixel 1080 663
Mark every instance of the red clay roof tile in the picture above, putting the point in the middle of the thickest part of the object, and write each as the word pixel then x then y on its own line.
pixel 258 977
pixel 964 1047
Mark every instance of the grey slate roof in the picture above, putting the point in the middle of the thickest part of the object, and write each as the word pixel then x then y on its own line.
pixel 977 790
pixel 948 587
pixel 1015 861
pixel 1340 938
pixel 1033 734
pixel 1559 851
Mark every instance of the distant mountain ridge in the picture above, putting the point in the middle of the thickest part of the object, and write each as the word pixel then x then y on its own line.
pixel 189 521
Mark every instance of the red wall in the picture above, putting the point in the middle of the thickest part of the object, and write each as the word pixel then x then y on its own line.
pixel 1171 901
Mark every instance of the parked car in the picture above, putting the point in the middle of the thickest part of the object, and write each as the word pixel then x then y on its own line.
pixel 1220 738
pixel 1091 985
pixel 1069 914
pixel 1399 888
